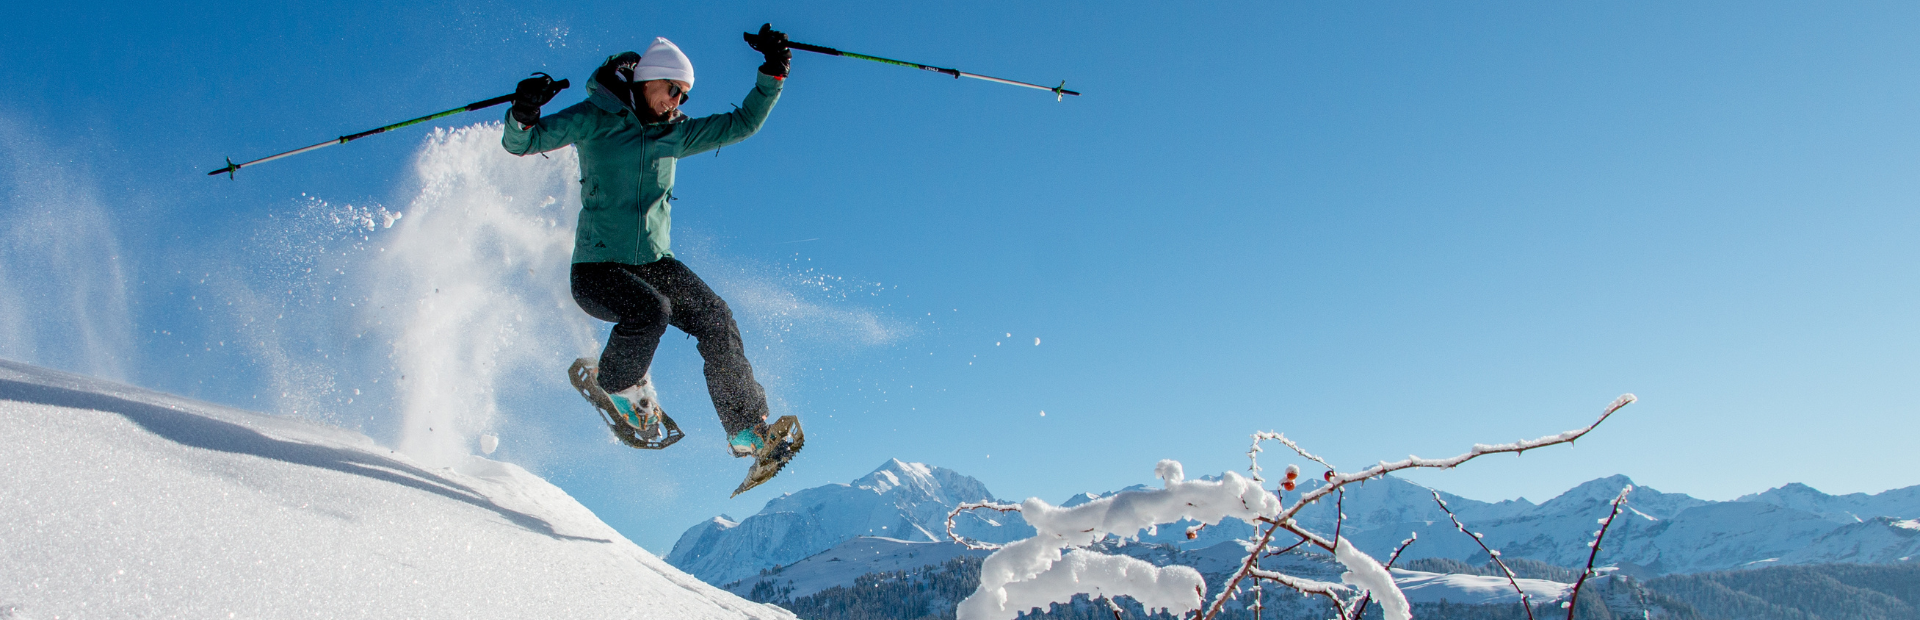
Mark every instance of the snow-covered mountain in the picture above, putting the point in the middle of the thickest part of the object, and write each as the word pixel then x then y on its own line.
pixel 120 502
pixel 1850 508
pixel 905 501
pixel 1658 533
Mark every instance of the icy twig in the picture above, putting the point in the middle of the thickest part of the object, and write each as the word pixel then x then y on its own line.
pixel 1360 611
pixel 1331 546
pixel 1339 513
pixel 1478 450
pixel 1335 480
pixel 1252 563
pixel 1332 591
pixel 1284 551
pixel 974 544
pixel 1253 452
pixel 1525 601
pixel 1618 501
pixel 1112 606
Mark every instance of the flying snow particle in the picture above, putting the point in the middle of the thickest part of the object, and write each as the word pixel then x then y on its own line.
pixel 1036 342
pixel 489 442
pixel 1043 414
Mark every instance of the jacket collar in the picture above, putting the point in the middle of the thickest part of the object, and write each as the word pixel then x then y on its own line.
pixel 605 100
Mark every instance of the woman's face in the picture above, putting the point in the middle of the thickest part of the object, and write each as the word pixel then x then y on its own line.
pixel 663 96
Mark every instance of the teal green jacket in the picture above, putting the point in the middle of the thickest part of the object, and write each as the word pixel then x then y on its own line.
pixel 626 166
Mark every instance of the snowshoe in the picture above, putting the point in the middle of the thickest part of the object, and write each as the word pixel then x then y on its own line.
pixel 583 374
pixel 771 447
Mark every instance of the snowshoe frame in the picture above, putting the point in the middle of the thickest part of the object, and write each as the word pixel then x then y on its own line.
pixel 581 376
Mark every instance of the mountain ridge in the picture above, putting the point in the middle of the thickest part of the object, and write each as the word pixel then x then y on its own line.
pixel 1658 533
pixel 906 501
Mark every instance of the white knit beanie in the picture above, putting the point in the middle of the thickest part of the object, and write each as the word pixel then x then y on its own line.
pixel 664 61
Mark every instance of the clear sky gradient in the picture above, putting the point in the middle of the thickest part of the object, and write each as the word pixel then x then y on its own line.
pixel 1380 227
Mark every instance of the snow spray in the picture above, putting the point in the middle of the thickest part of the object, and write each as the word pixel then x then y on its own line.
pixel 472 288
pixel 451 320
pixel 63 288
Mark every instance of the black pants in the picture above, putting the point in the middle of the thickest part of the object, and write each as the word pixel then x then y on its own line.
pixel 641 301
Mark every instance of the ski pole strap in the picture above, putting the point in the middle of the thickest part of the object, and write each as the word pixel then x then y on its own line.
pixel 1057 91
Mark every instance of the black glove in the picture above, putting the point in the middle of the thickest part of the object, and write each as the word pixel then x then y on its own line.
pixel 532 93
pixel 772 44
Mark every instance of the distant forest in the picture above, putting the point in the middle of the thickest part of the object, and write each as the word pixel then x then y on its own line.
pixel 1814 592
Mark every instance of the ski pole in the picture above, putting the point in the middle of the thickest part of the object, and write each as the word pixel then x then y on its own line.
pixel 1057 91
pixel 484 103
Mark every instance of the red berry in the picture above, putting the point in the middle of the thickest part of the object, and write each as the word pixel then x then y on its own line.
pixel 1328 476
pixel 1288 485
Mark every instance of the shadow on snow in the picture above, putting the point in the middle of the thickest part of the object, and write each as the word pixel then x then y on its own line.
pixel 211 434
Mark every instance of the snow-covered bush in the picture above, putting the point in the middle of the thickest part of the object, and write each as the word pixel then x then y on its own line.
pixel 1056 563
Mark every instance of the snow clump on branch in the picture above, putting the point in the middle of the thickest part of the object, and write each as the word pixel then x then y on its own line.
pixel 1030 573
pixel 1034 572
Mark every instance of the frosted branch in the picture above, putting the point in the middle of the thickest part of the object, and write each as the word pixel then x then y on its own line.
pixel 970 543
pixel 1037 571
pixel 1335 480
pixel 1478 450
pixel 1618 501
pixel 1525 602
pixel 1333 591
pixel 1253 452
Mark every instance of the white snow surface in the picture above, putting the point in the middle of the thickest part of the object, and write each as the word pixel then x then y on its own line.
pixel 1424 587
pixel 1365 572
pixel 120 502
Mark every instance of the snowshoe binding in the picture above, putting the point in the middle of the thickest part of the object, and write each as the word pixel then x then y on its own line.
pixel 770 445
pixel 636 425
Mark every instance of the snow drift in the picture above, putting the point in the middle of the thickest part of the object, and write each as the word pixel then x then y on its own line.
pixel 122 502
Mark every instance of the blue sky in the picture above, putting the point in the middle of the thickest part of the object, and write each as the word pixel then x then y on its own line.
pixel 1382 228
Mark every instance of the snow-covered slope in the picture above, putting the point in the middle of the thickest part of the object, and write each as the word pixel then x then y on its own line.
pixel 1421 587
pixel 906 501
pixel 119 503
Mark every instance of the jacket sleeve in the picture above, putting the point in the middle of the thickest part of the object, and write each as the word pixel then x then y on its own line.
pixel 553 131
pixel 711 132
